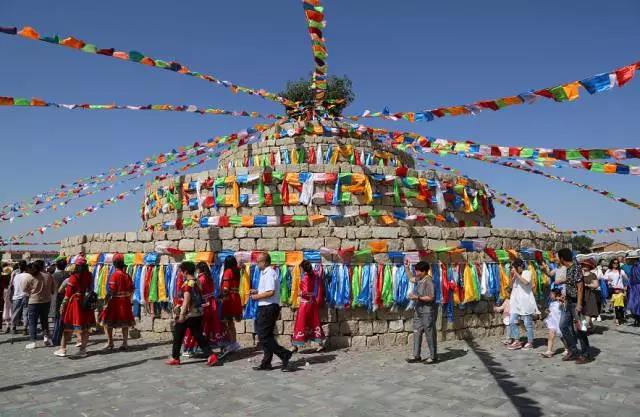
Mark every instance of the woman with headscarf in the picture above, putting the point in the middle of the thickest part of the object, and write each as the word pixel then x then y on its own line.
pixel 118 312
pixel 231 303
pixel 307 327
pixel 77 316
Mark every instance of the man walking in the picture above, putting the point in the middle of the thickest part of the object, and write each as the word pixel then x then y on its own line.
pixel 19 300
pixel 572 312
pixel 268 297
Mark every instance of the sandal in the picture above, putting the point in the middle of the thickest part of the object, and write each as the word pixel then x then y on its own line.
pixel 107 347
pixel 548 354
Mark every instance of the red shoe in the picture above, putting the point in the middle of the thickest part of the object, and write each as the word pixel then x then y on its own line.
pixel 173 362
pixel 213 360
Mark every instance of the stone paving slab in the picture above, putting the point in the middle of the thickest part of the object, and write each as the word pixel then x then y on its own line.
pixel 475 378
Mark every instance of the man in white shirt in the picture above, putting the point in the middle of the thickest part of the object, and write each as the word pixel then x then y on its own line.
pixel 20 299
pixel 268 297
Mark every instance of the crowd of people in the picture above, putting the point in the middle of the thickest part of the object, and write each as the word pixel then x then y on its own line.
pixel 581 294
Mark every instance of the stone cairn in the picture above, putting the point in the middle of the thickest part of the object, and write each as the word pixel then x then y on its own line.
pixel 338 227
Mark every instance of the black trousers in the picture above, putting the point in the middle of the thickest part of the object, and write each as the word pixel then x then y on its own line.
pixel 195 325
pixel 38 313
pixel 619 314
pixel 265 325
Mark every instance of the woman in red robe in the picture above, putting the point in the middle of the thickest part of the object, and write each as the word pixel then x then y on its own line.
pixel 231 303
pixel 307 326
pixel 75 318
pixel 118 312
pixel 212 327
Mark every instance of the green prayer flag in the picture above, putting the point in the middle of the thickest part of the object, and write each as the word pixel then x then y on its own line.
pixel 277 257
pixel 89 48
pixel 135 56
pixel 129 258
pixel 153 286
pixel 18 101
pixel 558 93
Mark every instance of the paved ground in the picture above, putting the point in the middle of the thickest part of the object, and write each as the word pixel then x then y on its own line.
pixel 473 379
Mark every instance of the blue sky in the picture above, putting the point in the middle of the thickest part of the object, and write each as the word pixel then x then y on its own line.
pixel 407 55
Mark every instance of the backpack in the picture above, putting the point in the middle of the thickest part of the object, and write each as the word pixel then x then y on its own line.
pixel 196 296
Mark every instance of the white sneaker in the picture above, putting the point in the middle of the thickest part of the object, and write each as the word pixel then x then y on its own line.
pixel 47 342
pixel 31 345
pixel 60 352
pixel 599 318
pixel 79 344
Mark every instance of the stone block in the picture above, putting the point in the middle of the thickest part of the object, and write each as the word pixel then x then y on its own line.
pixel 328 315
pixel 116 236
pixel 338 342
pixel 202 246
pixel 145 236
pixel 279 329
pixel 119 247
pixel 373 341
pixel 286 313
pixel 401 339
pixel 408 325
pixel 309 232
pixel 380 326
pixel 349 327
pixel 273 232
pixel 396 326
pixel 286 243
pixel 255 232
pixel 267 244
pixel 362 314
pixel 249 326
pixel 187 245
pixel 363 232
pixel 387 339
pixel 247 244
pixel 246 340
pixel 174 234
pixel 293 232
pixel 131 236
pixel 358 342
pixel 365 328
pixel 226 233
pixel 148 247
pixel 309 243
pixel 288 327
pixel 133 247
pixel 332 242
pixel 385 232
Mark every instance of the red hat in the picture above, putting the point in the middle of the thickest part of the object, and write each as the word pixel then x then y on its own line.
pixel 80 260
pixel 589 263
pixel 118 257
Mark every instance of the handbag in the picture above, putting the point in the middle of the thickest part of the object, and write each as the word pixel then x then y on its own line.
pixel 90 300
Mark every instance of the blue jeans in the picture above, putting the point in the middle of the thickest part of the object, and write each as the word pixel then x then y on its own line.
pixel 570 334
pixel 528 324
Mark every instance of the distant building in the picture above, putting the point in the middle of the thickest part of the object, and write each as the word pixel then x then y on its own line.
pixel 614 246
pixel 28 255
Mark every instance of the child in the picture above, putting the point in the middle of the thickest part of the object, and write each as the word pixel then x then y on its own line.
pixel 425 313
pixel 505 309
pixel 618 304
pixel 553 321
